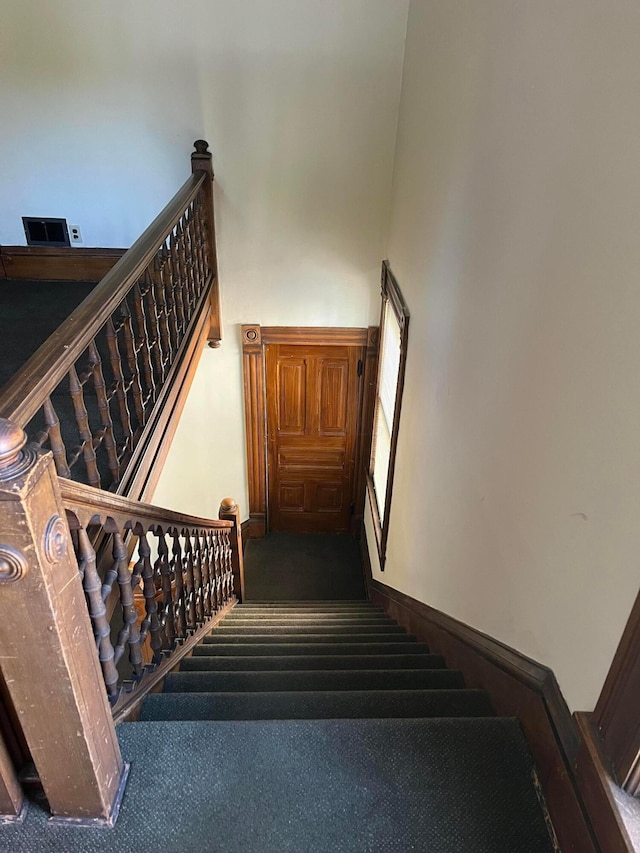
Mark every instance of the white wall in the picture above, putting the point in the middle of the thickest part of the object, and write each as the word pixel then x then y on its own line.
pixel 100 102
pixel 514 235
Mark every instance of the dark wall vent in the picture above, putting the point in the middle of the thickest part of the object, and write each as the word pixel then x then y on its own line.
pixel 45 232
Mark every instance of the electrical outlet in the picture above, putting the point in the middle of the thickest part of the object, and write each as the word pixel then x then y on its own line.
pixel 75 235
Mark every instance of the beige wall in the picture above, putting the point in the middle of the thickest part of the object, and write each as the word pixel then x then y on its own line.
pixel 100 103
pixel 514 235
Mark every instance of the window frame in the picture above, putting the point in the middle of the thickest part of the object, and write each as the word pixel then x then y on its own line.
pixel 392 300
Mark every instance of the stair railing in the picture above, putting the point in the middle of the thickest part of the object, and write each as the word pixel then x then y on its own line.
pixel 71 671
pixel 100 392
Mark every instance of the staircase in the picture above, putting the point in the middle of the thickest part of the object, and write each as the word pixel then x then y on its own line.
pixel 347 735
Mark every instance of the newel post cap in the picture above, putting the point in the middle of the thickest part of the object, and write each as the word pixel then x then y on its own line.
pixel 201 157
pixel 12 441
pixel 228 505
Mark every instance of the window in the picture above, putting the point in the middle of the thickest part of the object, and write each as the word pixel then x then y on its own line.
pixel 392 354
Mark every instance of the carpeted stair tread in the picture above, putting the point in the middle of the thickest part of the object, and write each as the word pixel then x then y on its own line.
pixel 252 682
pixel 251 663
pixel 273 647
pixel 449 786
pixel 227 637
pixel 345 704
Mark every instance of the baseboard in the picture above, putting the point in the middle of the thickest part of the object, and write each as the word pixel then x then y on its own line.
pixel 57 264
pixel 256 525
pixel 244 532
pixel 518 687
pixel 614 814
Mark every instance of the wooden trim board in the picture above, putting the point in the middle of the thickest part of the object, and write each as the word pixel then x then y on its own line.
pixel 518 687
pixel 56 263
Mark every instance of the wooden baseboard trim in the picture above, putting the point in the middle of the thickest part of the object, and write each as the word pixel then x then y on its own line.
pixel 615 815
pixel 57 264
pixel 256 525
pixel 244 532
pixel 518 687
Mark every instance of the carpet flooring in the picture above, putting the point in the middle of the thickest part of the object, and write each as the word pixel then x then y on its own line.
pixel 30 311
pixel 299 567
pixel 316 786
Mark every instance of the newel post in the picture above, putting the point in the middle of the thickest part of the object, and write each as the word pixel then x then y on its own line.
pixel 230 511
pixel 201 161
pixel 48 653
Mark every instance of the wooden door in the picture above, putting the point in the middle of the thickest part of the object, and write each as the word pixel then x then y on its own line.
pixel 312 422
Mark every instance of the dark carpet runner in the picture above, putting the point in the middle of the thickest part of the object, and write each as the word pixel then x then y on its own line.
pixel 314 727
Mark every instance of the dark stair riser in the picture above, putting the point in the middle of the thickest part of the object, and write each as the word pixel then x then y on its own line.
pixel 322 648
pixel 237 663
pixel 315 680
pixel 303 621
pixel 310 705
pixel 255 638
pixel 387 628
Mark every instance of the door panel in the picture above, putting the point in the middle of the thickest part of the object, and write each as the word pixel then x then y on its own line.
pixel 312 419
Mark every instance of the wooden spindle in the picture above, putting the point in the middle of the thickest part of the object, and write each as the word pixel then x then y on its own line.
pixel 167 587
pixel 201 161
pixel 87 449
pixel 180 604
pixel 143 344
pixel 149 593
pixel 204 557
pixel 118 377
pixel 230 511
pixel 132 364
pixel 192 616
pixel 104 413
pixel 49 659
pixel 97 613
pixel 52 423
pixel 130 633
pixel 168 351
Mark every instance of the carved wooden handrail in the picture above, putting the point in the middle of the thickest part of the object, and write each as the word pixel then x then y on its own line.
pixel 92 390
pixel 70 666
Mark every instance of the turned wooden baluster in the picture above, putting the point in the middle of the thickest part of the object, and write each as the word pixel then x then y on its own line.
pixel 52 423
pixel 86 449
pixel 164 274
pixel 151 312
pixel 97 613
pixel 167 587
pixel 180 605
pixel 197 578
pixel 49 658
pixel 151 623
pixel 115 360
pixel 230 511
pixel 132 364
pixel 192 617
pixel 104 413
pixel 143 346
pixel 168 350
pixel 176 284
pixel 205 561
pixel 130 633
pixel 201 160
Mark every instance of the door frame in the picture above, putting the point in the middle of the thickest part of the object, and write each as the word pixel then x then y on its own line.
pixel 254 340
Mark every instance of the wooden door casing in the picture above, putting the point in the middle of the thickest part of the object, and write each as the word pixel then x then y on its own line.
pixel 313 405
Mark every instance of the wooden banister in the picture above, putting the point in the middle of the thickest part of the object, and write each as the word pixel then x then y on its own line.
pixel 49 660
pixel 106 374
pixel 202 164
